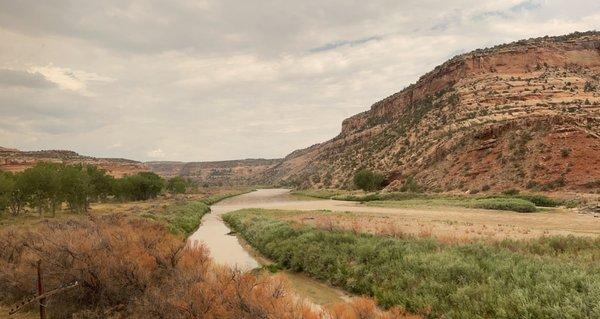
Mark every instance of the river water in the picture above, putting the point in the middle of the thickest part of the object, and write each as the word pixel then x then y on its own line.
pixel 227 250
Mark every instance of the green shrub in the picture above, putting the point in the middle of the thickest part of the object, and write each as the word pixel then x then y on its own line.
pixel 406 196
pixel 571 203
pixel 544 278
pixel 368 180
pixel 182 218
pixel 395 196
pixel 319 193
pixel 177 185
pixel 510 191
pixel 358 198
pixel 272 268
pixel 410 185
pixel 500 203
pixel 540 200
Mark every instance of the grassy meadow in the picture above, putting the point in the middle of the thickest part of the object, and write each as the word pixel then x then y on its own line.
pixel 523 203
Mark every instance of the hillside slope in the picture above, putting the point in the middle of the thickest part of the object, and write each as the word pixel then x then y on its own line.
pixel 218 173
pixel 14 160
pixel 525 115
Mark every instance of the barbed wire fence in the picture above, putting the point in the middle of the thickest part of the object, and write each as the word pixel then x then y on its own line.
pixel 41 296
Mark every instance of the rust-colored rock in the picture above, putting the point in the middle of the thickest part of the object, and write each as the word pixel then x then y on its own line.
pixel 14 160
pixel 219 173
pixel 524 115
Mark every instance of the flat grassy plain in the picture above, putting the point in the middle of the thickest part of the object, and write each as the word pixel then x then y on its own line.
pixel 523 203
pixel 547 277
pixel 453 217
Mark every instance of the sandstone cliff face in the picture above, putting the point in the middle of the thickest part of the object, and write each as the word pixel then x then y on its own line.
pixel 14 160
pixel 220 173
pixel 525 115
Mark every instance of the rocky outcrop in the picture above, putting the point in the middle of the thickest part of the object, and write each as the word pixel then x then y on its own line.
pixel 14 160
pixel 524 114
pixel 219 173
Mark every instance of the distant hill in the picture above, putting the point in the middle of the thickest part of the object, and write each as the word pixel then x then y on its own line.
pixel 519 115
pixel 218 173
pixel 14 160
pixel 524 115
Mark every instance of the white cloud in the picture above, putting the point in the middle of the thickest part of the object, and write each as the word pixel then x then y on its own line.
pixel 66 78
pixel 225 79
pixel 156 154
pixel 115 145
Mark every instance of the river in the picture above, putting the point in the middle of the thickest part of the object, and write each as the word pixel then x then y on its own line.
pixel 228 250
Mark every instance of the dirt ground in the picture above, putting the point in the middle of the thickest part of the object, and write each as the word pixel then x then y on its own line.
pixel 456 228
pixel 458 224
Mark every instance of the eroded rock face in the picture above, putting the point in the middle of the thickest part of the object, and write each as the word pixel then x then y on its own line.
pixel 14 160
pixel 525 115
pixel 220 173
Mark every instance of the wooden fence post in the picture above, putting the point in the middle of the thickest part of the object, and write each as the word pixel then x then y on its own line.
pixel 40 287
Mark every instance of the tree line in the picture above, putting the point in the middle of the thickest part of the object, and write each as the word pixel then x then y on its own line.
pixel 46 186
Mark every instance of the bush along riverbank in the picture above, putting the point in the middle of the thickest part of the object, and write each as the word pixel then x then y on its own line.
pixel 556 277
pixel 185 217
pixel 510 201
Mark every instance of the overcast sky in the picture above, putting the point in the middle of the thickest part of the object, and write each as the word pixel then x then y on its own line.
pixel 198 80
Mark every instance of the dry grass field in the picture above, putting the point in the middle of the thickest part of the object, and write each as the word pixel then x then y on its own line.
pixel 448 217
pixel 453 224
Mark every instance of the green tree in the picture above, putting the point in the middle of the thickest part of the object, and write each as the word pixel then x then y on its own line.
pixel 41 183
pixel 141 186
pixel 18 196
pixel 101 183
pixel 76 187
pixel 121 188
pixel 7 186
pixel 177 185
pixel 368 180
pixel 149 185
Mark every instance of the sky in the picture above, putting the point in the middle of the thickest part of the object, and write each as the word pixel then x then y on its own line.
pixel 202 80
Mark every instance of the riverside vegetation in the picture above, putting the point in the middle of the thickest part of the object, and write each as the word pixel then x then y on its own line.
pixel 134 268
pixel 510 200
pixel 134 263
pixel 548 277
pixel 185 217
